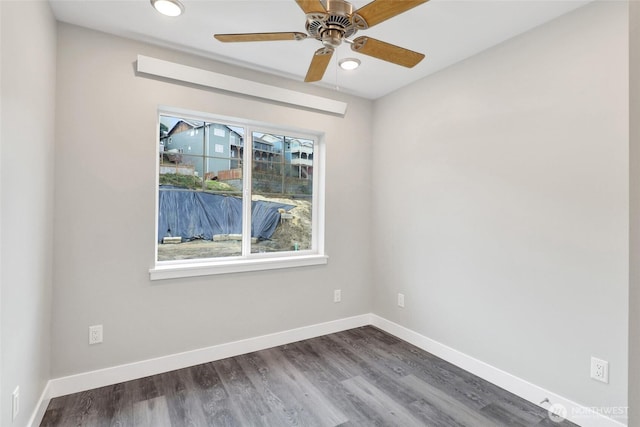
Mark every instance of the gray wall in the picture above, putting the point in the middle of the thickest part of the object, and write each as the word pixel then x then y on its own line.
pixel 516 250
pixel 27 134
pixel 634 214
pixel 104 230
pixel 503 217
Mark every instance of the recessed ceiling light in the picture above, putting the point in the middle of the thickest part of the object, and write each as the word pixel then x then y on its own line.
pixel 168 7
pixel 349 63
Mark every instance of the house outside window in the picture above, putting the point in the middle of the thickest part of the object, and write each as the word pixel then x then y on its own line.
pixel 234 195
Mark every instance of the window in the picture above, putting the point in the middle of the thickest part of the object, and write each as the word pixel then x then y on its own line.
pixel 235 196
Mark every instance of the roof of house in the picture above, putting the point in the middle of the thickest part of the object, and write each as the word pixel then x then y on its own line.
pixel 195 125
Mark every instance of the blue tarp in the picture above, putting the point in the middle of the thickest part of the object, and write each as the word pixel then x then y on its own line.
pixel 199 215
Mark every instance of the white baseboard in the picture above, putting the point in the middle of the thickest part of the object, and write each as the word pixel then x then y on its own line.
pixel 576 413
pixel 41 407
pixel 579 414
pixel 117 374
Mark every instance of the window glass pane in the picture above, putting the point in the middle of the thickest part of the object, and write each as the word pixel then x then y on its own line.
pixel 180 170
pixel 282 190
pixel 200 196
pixel 223 162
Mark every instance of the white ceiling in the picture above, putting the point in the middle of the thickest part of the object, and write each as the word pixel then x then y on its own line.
pixel 447 31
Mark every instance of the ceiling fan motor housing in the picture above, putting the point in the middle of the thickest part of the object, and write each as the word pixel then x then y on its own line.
pixel 338 23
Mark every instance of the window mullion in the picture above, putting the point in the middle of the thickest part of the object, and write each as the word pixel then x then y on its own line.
pixel 205 153
pixel 246 192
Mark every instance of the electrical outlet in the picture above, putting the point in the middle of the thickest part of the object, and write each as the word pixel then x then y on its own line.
pixel 95 334
pixel 337 295
pixel 599 370
pixel 401 300
pixel 15 403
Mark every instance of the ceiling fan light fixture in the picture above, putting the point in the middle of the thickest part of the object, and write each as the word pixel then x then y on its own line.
pixel 168 7
pixel 349 63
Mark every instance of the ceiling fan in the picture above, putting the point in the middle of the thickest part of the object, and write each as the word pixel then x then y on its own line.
pixel 333 22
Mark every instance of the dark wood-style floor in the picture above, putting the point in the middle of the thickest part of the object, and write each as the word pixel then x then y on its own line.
pixel 360 377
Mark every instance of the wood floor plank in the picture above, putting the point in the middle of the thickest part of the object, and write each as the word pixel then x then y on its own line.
pixel 377 372
pixel 391 411
pixel 306 391
pixel 82 410
pixel 283 404
pixel 151 413
pixel 251 407
pixel 329 380
pixel 285 397
pixel 56 410
pixel 547 422
pixel 183 407
pixel 465 386
pixel 331 354
pixel 379 335
pixel 526 412
pixel 374 353
pixel 359 377
pixel 307 359
pixel 221 413
pixel 146 388
pixel 432 415
pixel 208 382
pixel 115 412
pixel 447 403
pixel 214 400
pixel 507 418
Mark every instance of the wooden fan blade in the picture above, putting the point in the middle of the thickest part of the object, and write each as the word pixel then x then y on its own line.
pixel 319 64
pixel 380 10
pixel 311 6
pixel 386 51
pixel 259 37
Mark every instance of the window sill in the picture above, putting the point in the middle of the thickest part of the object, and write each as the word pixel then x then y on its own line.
pixel 176 271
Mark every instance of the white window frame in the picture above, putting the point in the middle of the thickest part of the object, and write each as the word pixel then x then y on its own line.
pixel 257 261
